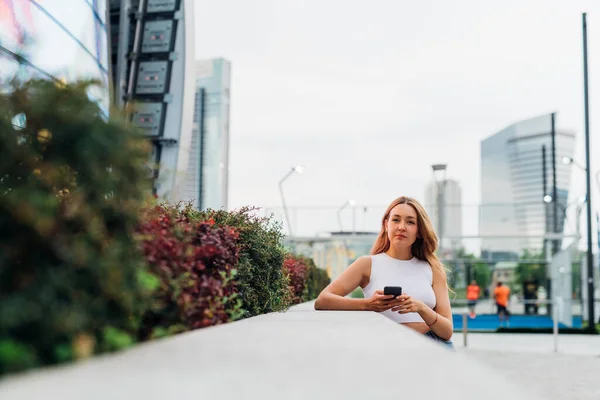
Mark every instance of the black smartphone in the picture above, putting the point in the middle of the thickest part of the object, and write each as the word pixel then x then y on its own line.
pixel 395 290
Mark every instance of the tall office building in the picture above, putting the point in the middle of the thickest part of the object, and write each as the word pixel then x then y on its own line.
pixel 58 40
pixel 143 48
pixel 208 170
pixel 152 59
pixel 451 211
pixel 513 179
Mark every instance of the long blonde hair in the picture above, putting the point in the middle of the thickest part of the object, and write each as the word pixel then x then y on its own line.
pixel 427 242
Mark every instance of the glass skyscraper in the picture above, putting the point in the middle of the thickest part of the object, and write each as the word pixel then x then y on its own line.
pixel 56 39
pixel 207 175
pixel 452 212
pixel 512 185
pixel 145 50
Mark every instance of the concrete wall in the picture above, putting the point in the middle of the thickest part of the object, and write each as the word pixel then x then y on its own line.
pixel 299 354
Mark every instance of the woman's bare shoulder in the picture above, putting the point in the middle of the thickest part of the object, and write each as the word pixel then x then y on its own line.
pixel 362 263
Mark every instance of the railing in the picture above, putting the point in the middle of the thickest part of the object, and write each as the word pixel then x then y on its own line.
pixel 557 304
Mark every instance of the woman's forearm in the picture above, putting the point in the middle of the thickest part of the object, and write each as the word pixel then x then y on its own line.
pixel 442 327
pixel 330 301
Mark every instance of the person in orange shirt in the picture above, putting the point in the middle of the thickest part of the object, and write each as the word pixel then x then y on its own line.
pixel 501 293
pixel 472 297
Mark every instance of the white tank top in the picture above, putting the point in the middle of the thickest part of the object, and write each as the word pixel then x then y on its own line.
pixel 414 276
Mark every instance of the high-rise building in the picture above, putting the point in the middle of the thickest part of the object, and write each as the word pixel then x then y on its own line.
pixel 451 211
pixel 58 40
pixel 515 177
pixel 207 179
pixel 153 59
pixel 144 49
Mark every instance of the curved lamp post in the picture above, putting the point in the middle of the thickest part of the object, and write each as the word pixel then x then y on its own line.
pixel 350 203
pixel 298 169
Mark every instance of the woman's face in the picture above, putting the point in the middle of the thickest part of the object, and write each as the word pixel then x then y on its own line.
pixel 402 227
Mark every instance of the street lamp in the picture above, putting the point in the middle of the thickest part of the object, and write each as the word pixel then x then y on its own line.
pixel 350 203
pixel 298 169
pixel 586 115
pixel 439 176
pixel 570 160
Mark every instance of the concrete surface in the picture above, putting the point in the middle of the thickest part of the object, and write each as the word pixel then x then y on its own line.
pixel 588 345
pixel 529 359
pixel 549 376
pixel 300 354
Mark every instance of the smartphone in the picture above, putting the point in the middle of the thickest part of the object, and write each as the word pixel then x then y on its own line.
pixel 395 290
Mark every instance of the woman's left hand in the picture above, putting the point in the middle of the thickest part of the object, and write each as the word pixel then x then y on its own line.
pixel 408 305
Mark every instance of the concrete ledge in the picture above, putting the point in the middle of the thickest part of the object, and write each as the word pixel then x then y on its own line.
pixel 299 354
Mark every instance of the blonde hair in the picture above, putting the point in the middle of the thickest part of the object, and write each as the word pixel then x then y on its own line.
pixel 427 242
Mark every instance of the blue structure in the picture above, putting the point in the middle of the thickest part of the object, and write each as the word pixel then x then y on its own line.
pixel 491 323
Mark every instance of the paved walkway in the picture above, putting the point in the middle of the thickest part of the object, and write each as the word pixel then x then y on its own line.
pixel 529 360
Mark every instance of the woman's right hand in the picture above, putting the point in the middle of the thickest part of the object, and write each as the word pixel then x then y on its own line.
pixel 380 302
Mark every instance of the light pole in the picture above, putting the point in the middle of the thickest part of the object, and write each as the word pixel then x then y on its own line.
pixel 298 169
pixel 571 161
pixel 579 203
pixel 350 203
pixel 439 176
pixel 590 261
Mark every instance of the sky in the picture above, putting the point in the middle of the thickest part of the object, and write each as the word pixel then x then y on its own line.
pixel 367 95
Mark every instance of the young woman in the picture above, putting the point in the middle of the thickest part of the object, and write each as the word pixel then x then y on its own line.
pixel 403 255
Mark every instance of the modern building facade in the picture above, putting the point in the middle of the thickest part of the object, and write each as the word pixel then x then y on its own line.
pixel 144 49
pixel 56 39
pixel 451 211
pixel 152 59
pixel 207 180
pixel 515 177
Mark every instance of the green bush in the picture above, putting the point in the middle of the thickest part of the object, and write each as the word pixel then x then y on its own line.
pixel 263 285
pixel 71 185
pixel 316 280
pixel 84 270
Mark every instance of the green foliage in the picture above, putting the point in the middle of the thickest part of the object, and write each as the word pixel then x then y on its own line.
pixel 534 269
pixel 474 269
pixel 316 280
pixel 482 273
pixel 84 270
pixel 71 185
pixel 116 339
pixel 263 285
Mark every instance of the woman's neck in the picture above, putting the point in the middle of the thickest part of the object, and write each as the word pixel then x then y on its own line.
pixel 403 253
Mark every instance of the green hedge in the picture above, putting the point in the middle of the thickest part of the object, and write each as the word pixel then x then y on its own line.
pixel 71 185
pixel 263 285
pixel 90 263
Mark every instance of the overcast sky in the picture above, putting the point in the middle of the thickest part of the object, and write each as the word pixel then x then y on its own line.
pixel 368 94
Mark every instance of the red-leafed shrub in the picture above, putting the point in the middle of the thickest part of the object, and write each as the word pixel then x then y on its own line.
pixel 297 272
pixel 306 279
pixel 262 283
pixel 195 262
